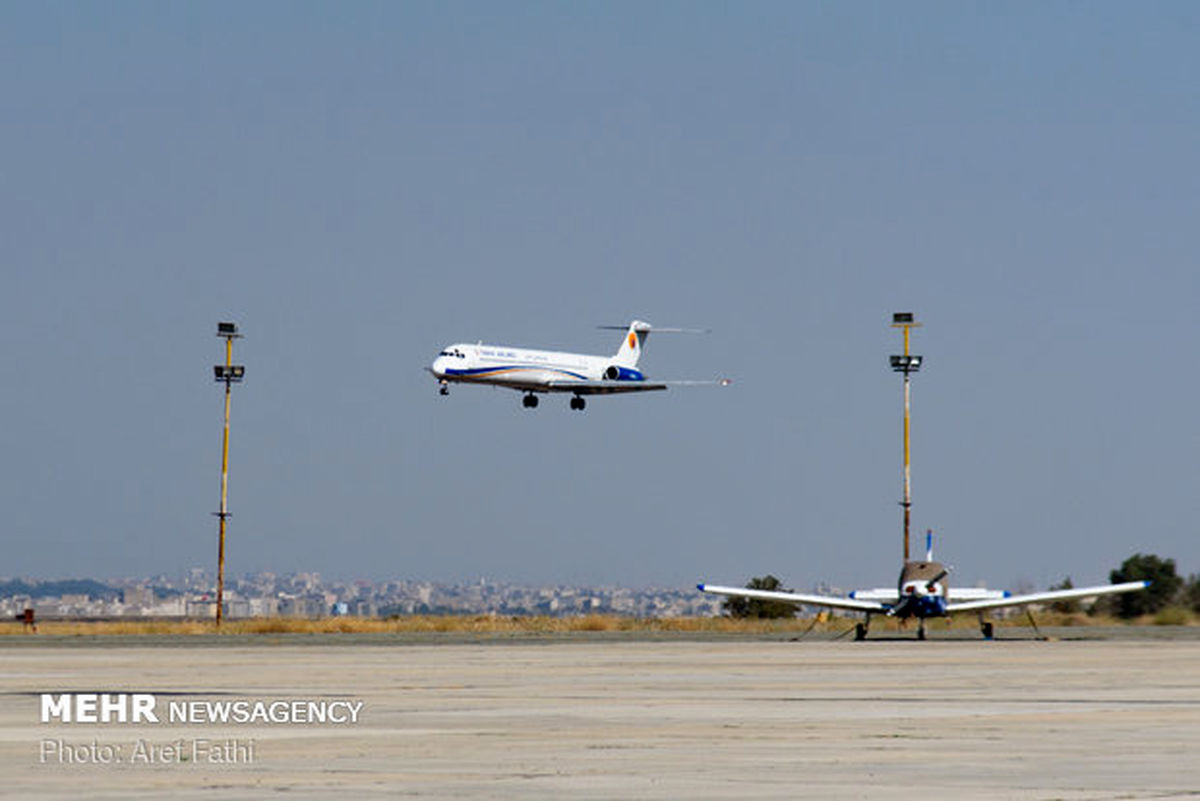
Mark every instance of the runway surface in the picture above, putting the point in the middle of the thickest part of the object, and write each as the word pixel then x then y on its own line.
pixel 568 718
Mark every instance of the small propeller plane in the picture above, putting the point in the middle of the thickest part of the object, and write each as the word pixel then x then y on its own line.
pixel 538 371
pixel 922 593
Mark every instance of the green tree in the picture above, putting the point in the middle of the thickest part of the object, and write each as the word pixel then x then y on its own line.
pixel 1164 585
pixel 754 607
pixel 1067 606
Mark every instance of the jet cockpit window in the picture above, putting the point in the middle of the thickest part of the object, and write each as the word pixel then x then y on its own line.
pixel 454 354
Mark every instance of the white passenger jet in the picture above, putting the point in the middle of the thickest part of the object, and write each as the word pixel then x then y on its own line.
pixel 922 593
pixel 534 371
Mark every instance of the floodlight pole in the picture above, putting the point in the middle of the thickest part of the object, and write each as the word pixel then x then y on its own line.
pixel 229 373
pixel 906 364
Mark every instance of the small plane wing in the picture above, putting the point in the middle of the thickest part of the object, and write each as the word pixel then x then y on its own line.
pixel 1041 597
pixel 831 601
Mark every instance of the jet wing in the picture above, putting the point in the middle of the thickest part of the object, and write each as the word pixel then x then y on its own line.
pixel 589 387
pixel 831 601
pixel 585 387
pixel 1042 597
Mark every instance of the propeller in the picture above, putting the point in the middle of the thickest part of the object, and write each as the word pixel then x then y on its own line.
pixel 929 585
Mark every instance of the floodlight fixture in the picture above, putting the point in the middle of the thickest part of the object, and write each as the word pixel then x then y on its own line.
pixel 906 364
pixel 229 372
pixel 228 330
pixel 904 320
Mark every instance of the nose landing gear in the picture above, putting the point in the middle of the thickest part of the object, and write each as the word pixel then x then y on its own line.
pixel 444 389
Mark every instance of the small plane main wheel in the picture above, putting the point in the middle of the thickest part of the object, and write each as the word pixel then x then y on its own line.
pixel 988 630
pixel 860 632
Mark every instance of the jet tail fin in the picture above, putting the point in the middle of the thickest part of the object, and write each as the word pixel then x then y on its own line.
pixel 635 340
pixel 631 347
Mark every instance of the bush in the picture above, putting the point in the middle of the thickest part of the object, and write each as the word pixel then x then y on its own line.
pixel 754 607
pixel 1172 616
pixel 1163 589
pixel 1066 606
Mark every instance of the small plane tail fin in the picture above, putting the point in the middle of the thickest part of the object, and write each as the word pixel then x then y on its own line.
pixel 929 545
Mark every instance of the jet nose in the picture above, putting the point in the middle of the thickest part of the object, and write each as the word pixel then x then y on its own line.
pixel 438 368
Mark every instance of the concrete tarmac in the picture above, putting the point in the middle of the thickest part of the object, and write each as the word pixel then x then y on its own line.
pixel 619 719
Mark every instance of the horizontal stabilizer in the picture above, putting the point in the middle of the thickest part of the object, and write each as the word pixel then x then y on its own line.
pixel 890 596
pixel 975 594
pixel 647 328
pixel 886 594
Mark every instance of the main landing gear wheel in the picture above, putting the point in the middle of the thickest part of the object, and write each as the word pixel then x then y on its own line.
pixel 530 401
pixel 860 632
pixel 989 632
pixel 578 403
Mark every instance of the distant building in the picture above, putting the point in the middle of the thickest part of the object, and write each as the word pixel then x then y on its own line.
pixel 264 607
pixel 238 607
pixel 202 608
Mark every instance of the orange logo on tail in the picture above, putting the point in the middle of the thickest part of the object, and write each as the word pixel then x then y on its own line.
pixel 632 341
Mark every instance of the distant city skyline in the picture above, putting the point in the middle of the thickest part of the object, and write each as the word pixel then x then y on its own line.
pixel 192 595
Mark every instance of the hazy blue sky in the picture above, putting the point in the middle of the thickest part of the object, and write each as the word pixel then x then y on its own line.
pixel 358 184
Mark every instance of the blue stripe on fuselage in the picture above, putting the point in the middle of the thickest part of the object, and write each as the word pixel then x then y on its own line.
pixel 484 372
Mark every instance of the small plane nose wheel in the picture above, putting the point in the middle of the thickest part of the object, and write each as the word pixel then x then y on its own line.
pixel 578 403
pixel 530 401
